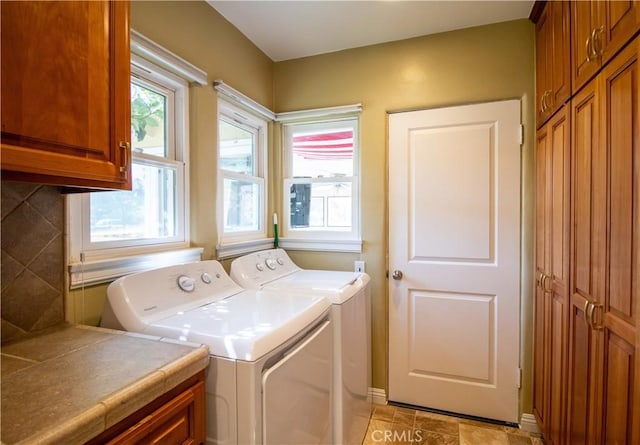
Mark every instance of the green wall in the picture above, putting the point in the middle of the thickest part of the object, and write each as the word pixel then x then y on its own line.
pixel 473 65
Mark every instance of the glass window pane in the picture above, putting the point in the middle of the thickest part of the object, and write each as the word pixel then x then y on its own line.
pixel 148 211
pixel 237 148
pixel 321 205
pixel 148 125
pixel 241 206
pixel 322 153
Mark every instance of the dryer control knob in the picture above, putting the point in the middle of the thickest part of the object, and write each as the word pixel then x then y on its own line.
pixel 271 263
pixel 260 267
pixel 280 261
pixel 206 278
pixel 186 283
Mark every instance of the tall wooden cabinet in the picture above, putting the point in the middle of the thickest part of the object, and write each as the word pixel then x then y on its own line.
pixel 604 391
pixel 587 303
pixel 552 272
pixel 65 113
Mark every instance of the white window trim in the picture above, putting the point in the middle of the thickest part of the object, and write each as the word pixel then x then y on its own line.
pixel 88 267
pixel 160 56
pixel 321 240
pixel 238 241
pixel 243 247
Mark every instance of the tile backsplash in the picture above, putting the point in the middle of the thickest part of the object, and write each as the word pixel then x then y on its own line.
pixel 32 262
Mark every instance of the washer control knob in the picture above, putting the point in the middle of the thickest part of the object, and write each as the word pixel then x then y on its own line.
pixel 271 263
pixel 280 261
pixel 260 267
pixel 206 278
pixel 186 283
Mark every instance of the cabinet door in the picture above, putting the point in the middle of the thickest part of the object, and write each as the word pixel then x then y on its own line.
pixel 584 23
pixel 616 314
pixel 553 76
pixel 544 36
pixel 180 421
pixel 560 84
pixel 558 272
pixel 540 361
pixel 65 93
pixel 552 263
pixel 619 21
pixel 587 261
pixel 599 30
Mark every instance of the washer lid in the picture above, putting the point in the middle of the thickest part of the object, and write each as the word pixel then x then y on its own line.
pixel 337 286
pixel 245 326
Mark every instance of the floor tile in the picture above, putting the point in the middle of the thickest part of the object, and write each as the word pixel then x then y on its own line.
pixel 404 416
pixel 475 435
pixel 518 439
pixel 384 412
pixel 431 438
pixel 436 425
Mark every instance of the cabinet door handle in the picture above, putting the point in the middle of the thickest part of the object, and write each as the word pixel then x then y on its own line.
pixel 599 325
pixel 545 282
pixel 543 103
pixel 588 48
pixel 539 280
pixel 588 313
pixel 585 309
pixel 126 146
pixel 598 50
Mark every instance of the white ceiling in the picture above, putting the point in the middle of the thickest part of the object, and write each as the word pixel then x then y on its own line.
pixel 291 29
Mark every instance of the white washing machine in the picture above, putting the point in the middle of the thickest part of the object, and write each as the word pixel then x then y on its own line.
pixel 269 378
pixel 349 294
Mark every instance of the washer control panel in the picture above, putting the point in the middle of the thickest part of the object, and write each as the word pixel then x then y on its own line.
pixel 170 289
pixel 259 268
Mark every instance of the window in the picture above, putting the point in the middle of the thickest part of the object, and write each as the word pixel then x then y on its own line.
pixel 321 198
pixel 241 165
pixel 153 212
pixel 112 233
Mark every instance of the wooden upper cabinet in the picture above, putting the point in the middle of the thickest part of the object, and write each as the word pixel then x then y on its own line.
pixel 599 29
pixel 65 93
pixel 553 77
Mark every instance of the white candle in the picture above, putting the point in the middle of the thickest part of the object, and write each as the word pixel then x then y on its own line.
pixel 275 219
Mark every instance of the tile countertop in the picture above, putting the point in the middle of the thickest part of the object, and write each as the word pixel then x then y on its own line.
pixel 68 384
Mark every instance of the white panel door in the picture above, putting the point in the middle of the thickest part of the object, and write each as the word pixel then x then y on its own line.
pixel 454 234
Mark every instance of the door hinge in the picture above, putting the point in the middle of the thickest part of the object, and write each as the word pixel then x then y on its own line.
pixel 518 378
pixel 521 134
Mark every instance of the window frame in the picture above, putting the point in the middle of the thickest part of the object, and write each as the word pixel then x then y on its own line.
pixel 258 125
pixel 321 239
pixel 97 262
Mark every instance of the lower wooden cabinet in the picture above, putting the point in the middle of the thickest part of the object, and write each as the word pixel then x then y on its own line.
pixel 177 418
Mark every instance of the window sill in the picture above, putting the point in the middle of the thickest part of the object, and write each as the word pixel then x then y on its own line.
pixel 104 270
pixel 236 249
pixel 321 245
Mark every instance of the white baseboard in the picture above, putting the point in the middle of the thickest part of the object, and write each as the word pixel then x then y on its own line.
pixel 378 396
pixel 528 423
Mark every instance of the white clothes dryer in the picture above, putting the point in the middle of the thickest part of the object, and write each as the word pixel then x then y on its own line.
pixel 349 293
pixel 269 377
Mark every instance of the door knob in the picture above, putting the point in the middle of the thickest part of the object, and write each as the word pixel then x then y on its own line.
pixel 397 275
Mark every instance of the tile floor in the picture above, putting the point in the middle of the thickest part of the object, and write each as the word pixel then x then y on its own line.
pixel 395 425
